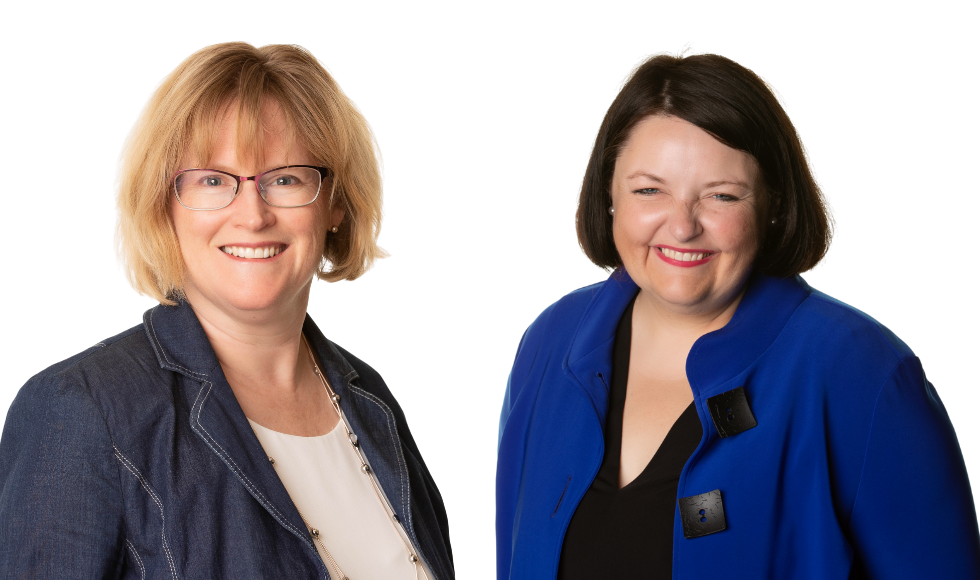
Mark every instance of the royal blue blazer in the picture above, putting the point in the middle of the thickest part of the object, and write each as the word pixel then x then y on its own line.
pixel 825 454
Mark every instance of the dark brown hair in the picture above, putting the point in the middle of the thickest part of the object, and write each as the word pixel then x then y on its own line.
pixel 735 106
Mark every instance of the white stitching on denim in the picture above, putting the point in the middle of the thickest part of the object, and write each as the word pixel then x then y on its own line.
pixel 163 351
pixel 139 561
pixel 153 495
pixel 237 470
pixel 398 448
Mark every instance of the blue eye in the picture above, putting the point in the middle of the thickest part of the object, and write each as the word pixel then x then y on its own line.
pixel 647 191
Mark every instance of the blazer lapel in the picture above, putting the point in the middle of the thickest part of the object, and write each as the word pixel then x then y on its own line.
pixel 589 358
pixel 216 417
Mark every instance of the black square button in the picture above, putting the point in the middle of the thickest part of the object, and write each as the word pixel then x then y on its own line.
pixel 731 413
pixel 702 514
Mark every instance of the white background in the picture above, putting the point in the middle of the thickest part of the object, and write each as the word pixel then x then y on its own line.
pixel 485 116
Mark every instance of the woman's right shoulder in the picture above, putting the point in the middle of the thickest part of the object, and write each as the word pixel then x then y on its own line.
pixel 558 322
pixel 547 340
pixel 59 462
pixel 102 373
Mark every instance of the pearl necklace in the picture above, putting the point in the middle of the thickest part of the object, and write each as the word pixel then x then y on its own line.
pixel 366 469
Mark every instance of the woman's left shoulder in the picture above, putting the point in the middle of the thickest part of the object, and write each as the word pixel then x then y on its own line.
pixel 837 324
pixel 367 378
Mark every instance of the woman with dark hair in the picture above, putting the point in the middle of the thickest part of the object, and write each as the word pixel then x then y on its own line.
pixel 226 436
pixel 705 413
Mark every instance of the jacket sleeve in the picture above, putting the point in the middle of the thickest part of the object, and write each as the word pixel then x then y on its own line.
pixel 61 512
pixel 510 394
pixel 913 515
pixel 510 463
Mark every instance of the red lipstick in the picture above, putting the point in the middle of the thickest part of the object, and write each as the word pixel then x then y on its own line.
pixel 689 264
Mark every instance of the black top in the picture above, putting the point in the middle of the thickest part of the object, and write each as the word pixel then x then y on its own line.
pixel 629 533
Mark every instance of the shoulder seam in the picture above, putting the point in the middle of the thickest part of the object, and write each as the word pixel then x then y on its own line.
pixel 865 319
pixel 86 354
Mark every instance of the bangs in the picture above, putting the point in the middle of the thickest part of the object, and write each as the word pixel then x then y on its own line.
pixel 251 102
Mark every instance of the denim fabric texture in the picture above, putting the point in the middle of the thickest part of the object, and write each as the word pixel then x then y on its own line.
pixel 852 470
pixel 133 459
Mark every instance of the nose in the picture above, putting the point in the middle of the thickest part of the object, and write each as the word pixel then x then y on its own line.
pixel 250 210
pixel 684 222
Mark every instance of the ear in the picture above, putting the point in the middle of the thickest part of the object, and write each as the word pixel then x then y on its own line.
pixel 771 205
pixel 336 218
pixel 335 210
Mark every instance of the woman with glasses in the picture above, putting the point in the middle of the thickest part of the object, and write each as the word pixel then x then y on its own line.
pixel 226 436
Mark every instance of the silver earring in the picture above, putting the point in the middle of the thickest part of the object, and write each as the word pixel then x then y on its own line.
pixel 773 222
pixel 334 229
pixel 612 210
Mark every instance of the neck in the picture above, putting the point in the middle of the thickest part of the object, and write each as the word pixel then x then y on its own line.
pixel 682 325
pixel 259 350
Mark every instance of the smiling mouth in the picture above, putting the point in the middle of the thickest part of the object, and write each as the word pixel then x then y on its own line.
pixel 254 253
pixel 684 256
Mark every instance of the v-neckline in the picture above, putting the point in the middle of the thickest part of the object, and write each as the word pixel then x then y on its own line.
pixel 679 431
pixel 666 446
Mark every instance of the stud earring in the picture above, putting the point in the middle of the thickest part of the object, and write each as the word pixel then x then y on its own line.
pixel 773 221
pixel 612 210
pixel 334 229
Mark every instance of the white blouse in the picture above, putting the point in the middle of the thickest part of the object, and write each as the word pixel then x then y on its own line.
pixel 324 479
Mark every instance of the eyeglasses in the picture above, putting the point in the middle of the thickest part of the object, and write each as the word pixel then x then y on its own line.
pixel 209 189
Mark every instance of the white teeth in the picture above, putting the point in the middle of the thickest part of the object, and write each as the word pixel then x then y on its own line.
pixel 682 256
pixel 251 253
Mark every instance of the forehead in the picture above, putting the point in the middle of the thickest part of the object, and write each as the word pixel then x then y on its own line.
pixel 675 148
pixel 245 137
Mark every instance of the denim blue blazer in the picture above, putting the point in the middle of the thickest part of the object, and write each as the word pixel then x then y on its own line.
pixel 825 452
pixel 133 459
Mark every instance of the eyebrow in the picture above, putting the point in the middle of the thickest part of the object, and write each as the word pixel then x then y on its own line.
pixel 728 182
pixel 646 174
pixel 654 177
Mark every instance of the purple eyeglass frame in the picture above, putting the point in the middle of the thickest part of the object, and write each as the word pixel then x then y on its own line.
pixel 324 172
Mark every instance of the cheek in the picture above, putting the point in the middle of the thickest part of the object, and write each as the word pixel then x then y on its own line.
pixel 735 232
pixel 181 227
pixel 311 227
pixel 635 227
pixel 193 229
pixel 188 230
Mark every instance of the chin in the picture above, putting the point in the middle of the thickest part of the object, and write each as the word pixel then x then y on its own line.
pixel 254 296
pixel 253 302
pixel 689 300
pixel 681 291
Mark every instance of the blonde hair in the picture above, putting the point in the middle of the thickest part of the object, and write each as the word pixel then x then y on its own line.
pixel 182 117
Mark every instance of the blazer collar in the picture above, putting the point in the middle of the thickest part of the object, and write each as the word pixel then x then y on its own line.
pixel 182 346
pixel 216 417
pixel 720 355
pixel 589 357
pixel 762 314
pixel 179 341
